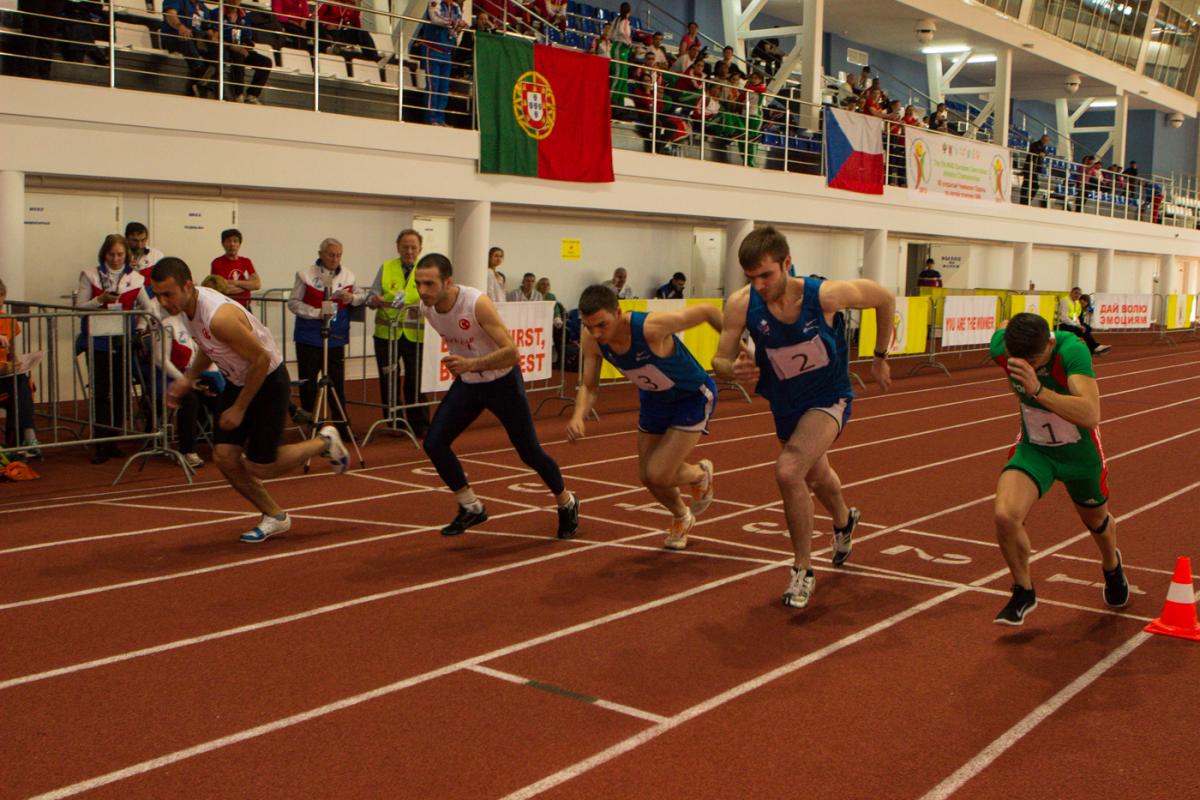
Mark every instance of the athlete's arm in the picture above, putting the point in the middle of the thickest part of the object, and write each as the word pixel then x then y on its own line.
pixel 1081 407
pixel 589 383
pixel 506 356
pixel 729 347
pixel 864 293
pixel 229 327
pixel 665 324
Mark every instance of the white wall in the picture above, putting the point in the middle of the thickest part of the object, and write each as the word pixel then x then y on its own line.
pixel 1133 274
pixel 834 254
pixel 1050 270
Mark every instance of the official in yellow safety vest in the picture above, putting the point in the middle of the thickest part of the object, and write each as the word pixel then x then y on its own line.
pixel 399 329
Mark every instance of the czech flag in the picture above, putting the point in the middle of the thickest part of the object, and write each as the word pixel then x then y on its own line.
pixel 853 151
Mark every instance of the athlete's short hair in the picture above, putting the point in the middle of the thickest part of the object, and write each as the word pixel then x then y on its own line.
pixel 598 297
pixel 1026 336
pixel 171 267
pixel 761 242
pixel 439 262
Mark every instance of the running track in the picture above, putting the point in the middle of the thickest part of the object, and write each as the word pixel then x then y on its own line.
pixel 148 654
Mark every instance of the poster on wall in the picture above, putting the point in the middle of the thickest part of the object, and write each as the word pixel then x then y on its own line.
pixel 950 169
pixel 531 326
pixel 949 258
pixel 1115 311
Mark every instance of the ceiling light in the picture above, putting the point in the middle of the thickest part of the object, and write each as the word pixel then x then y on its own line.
pixel 985 59
pixel 1104 104
pixel 938 49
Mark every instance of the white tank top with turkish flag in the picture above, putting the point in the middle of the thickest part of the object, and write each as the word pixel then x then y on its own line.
pixel 231 364
pixel 462 334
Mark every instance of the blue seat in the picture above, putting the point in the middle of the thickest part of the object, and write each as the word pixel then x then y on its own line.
pixel 635 23
pixel 573 7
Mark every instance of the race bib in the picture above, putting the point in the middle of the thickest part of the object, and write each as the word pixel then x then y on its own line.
pixel 1047 428
pixel 796 359
pixel 649 378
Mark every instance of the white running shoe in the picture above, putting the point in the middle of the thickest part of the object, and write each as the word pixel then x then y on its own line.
pixel 703 495
pixel 266 528
pixel 843 538
pixel 678 532
pixel 334 450
pixel 193 460
pixel 800 588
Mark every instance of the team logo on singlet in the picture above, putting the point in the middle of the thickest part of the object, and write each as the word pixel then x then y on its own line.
pixel 534 105
pixel 204 333
pixel 465 324
pixel 764 327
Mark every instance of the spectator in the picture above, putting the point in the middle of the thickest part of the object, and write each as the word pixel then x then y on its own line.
pixel 341 27
pixel 399 329
pixel 323 294
pixel 690 39
pixel 183 31
pixel 112 284
pixel 872 102
pixel 16 391
pixel 687 58
pixel 619 284
pixel 896 153
pixel 929 276
pixel 768 53
pixel 622 44
pixel 495 279
pixel 1070 318
pixel 1034 163
pixel 725 66
pixel 656 50
pixel 552 11
pixel 939 120
pixel 848 89
pixel 295 19
pixel 437 35
pixel 543 288
pixel 603 44
pixel 84 23
pixel 141 256
pixel 180 352
pixel 672 289
pixel 240 53
pixel 526 293
pixel 237 271
pixel 1132 169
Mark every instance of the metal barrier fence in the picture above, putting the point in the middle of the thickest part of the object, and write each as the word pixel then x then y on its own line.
pixel 92 380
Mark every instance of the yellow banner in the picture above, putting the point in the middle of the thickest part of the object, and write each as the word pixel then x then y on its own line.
pixel 1179 311
pixel 1044 305
pixel 701 340
pixel 909 328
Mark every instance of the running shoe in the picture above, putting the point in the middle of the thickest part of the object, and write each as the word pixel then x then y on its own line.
pixel 193 460
pixel 1101 349
pixel 800 588
pixel 334 450
pixel 842 538
pixel 266 528
pixel 702 497
pixel 678 532
pixel 1023 601
pixel 568 518
pixel 1116 587
pixel 466 519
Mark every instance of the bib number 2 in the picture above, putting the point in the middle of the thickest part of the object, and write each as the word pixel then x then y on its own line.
pixel 797 359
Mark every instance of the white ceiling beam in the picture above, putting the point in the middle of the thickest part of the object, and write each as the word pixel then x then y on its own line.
pixel 751 12
pixel 763 33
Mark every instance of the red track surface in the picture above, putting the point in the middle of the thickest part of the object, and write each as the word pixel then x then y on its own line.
pixel 147 653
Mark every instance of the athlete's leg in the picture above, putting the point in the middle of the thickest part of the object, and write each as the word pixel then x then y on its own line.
pixel 230 461
pixel 508 403
pixel 287 459
pixel 1016 493
pixel 461 406
pixel 827 486
pixel 806 446
pixel 661 467
pixel 1104 532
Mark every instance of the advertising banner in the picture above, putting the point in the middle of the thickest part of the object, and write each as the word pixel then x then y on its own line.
pixel 1114 311
pixel 949 169
pixel 531 326
pixel 909 328
pixel 968 319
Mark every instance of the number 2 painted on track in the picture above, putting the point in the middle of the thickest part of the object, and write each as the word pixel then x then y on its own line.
pixel 945 558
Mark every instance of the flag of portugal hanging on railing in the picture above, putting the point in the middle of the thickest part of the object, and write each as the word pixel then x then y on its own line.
pixel 543 111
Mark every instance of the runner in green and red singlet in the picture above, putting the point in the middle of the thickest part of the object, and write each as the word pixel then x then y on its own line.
pixel 1051 374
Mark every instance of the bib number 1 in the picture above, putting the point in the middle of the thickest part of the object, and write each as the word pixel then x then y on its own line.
pixel 1047 428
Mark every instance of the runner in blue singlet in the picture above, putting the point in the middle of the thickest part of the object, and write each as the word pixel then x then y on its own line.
pixel 677 396
pixel 800 364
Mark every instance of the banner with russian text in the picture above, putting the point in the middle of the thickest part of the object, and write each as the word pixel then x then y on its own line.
pixel 909 328
pixel 950 169
pixel 1122 311
pixel 968 319
pixel 531 326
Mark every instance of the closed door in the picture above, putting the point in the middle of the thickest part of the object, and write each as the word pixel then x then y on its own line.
pixel 708 254
pixel 436 235
pixel 63 234
pixel 190 229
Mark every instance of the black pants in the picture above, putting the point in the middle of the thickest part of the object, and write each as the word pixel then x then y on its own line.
pixel 110 387
pixel 389 373
pixel 308 361
pixel 1084 333
pixel 17 402
pixel 418 417
pixel 41 24
pixel 350 37
pixel 195 54
pixel 237 71
pixel 462 405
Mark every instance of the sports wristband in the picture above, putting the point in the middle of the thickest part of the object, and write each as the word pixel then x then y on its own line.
pixel 880 354
pixel 1039 390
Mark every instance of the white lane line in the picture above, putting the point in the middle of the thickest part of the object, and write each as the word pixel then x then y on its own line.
pixel 82 499
pixel 637 740
pixel 103 536
pixel 382 691
pixel 595 701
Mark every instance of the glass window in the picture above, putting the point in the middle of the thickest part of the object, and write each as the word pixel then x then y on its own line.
pixel 1171 56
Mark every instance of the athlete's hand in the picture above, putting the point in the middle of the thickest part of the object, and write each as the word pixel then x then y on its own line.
pixel 882 372
pixel 745 371
pixel 457 365
pixel 1025 374
pixel 231 418
pixel 576 429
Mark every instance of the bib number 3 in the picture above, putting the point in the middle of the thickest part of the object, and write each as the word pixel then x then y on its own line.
pixel 649 378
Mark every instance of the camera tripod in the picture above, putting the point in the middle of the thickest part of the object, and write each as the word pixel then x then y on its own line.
pixel 322 410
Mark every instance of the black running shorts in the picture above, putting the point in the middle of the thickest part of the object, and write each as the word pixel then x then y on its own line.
pixel 261 430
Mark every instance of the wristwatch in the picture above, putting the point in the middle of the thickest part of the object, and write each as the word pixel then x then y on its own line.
pixel 880 354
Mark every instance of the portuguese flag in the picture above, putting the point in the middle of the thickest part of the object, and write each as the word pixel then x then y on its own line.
pixel 543 111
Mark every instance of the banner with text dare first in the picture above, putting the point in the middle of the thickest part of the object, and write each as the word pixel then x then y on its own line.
pixel 1122 311
pixel 531 326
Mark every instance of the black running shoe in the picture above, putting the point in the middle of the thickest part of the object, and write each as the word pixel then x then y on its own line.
pixel 1023 601
pixel 843 538
pixel 568 519
pixel 465 519
pixel 1116 587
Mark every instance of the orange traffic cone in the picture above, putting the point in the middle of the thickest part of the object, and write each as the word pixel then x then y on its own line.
pixel 1179 612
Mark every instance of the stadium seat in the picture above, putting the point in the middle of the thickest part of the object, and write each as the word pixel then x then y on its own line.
pixel 333 66
pixel 134 37
pixel 365 70
pixel 297 61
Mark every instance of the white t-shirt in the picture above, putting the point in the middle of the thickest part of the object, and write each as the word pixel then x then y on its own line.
pixel 232 365
pixel 461 332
